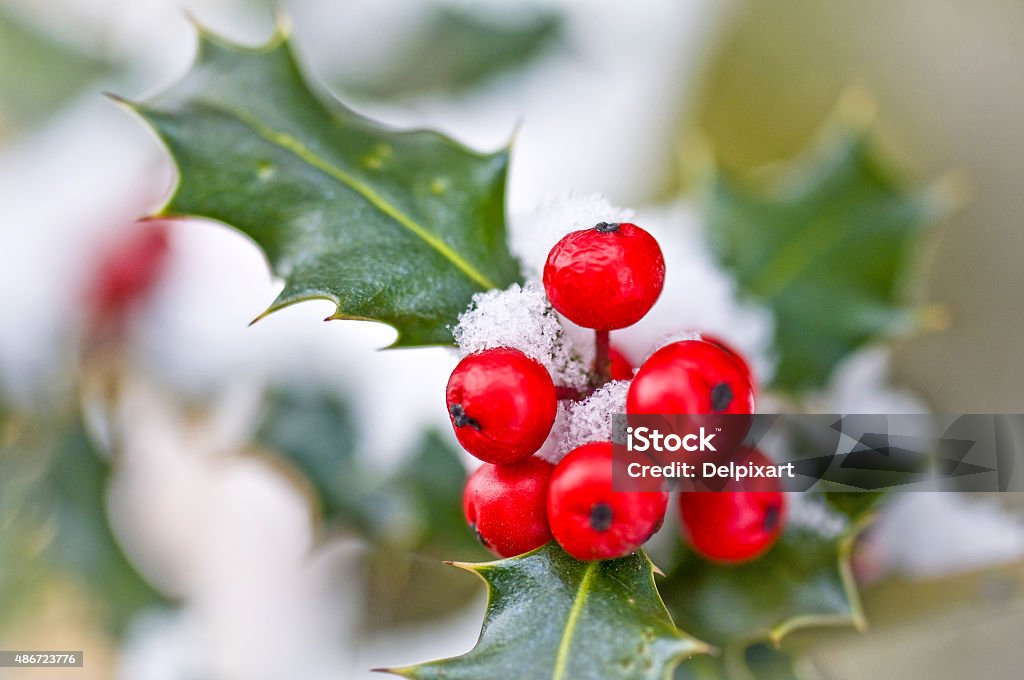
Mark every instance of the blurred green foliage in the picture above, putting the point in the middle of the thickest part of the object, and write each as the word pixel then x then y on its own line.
pixel 411 518
pixel 54 525
pixel 458 49
pixel 827 245
pixel 38 74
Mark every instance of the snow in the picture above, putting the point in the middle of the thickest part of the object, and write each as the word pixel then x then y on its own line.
pixel 811 512
pixel 553 449
pixel 521 317
pixel 932 534
pixel 590 420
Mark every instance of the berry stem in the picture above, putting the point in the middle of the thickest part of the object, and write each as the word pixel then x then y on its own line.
pixel 602 358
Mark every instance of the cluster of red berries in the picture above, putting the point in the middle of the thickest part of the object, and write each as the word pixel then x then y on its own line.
pixel 503 404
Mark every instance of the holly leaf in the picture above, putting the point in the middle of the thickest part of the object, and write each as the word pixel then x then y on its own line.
pixel 391 226
pixel 551 616
pixel 459 49
pixel 827 246
pixel 53 523
pixel 803 580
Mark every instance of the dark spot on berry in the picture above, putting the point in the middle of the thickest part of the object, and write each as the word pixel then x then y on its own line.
pixel 479 536
pixel 771 518
pixel 460 418
pixel 607 227
pixel 721 396
pixel 601 516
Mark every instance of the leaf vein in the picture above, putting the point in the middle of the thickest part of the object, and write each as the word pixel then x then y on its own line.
pixel 294 146
pixel 562 658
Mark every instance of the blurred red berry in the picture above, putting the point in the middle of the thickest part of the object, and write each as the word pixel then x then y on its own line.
pixel 127 273
pixel 621 369
pixel 738 524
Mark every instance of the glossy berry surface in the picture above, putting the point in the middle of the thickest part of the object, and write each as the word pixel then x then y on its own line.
pixel 691 376
pixel 502 404
pixel 606 277
pixel 621 368
pixel 590 520
pixel 736 356
pixel 506 506
pixel 738 525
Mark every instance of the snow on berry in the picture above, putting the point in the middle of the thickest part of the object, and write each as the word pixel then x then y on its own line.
pixel 553 449
pixel 590 420
pixel 520 317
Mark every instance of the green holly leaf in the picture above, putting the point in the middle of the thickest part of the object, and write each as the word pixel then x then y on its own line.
pixel 827 246
pixel 551 616
pixel 458 49
pixel 392 226
pixel 803 580
pixel 53 525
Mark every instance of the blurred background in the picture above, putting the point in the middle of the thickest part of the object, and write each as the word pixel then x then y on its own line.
pixel 184 548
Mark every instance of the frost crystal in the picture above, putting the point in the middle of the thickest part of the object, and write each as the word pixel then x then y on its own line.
pixel 552 449
pixel 590 420
pixel 521 317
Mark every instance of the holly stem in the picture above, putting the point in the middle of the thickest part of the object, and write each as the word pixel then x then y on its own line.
pixel 602 358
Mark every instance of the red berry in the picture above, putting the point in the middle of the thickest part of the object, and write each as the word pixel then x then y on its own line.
pixel 735 525
pixel 590 520
pixel 737 357
pixel 502 404
pixel 606 277
pixel 505 506
pixel 621 369
pixel 127 272
pixel 691 376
